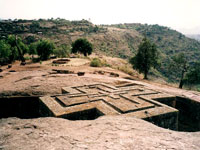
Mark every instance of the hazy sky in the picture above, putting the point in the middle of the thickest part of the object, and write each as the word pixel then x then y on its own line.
pixel 182 15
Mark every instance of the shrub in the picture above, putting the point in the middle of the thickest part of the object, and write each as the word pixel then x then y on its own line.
pixel 18 48
pixel 193 75
pixel 104 63
pixel 27 58
pixel 126 69
pixel 62 51
pixel 45 49
pixel 32 49
pixel 30 39
pixel 14 52
pixel 96 62
pixel 5 52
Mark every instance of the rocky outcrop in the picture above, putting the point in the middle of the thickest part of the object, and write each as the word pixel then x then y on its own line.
pixel 104 133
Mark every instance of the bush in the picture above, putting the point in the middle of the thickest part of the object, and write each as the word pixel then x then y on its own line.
pixel 14 52
pixel 96 62
pixel 193 75
pixel 18 48
pixel 105 64
pixel 27 58
pixel 62 51
pixel 12 49
pixel 30 39
pixel 45 49
pixel 5 52
pixel 32 49
pixel 126 69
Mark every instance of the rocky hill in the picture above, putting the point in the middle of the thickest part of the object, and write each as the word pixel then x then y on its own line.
pixel 119 40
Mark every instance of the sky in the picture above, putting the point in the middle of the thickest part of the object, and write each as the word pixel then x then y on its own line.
pixel 181 15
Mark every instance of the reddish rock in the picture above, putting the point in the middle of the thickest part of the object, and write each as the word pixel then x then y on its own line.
pixel 104 133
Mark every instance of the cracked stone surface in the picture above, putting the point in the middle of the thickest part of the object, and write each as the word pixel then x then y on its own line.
pixel 107 132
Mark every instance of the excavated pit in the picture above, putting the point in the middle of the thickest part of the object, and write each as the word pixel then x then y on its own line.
pixel 31 107
pixel 21 107
pixel 189 113
pixel 89 114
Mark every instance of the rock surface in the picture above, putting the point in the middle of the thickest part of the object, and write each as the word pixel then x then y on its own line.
pixel 107 132
pixel 104 133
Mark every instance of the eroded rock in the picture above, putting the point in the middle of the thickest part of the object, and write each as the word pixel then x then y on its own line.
pixel 109 132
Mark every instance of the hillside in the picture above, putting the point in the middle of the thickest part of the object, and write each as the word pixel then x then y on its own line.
pixel 169 42
pixel 119 40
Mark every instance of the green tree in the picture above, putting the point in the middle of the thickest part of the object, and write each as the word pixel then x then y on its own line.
pixel 5 51
pixel 14 53
pixel 82 46
pixel 193 75
pixel 34 27
pixel 178 67
pixel 62 51
pixel 45 49
pixel 32 49
pixel 22 46
pixel 18 48
pixel 146 57
pixel 30 39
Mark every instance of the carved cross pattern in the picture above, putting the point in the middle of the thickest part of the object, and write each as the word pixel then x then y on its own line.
pixel 129 100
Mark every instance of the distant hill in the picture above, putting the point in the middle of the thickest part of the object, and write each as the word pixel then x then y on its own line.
pixel 194 36
pixel 120 40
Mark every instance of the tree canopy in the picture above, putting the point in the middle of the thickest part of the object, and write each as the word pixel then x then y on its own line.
pixel 82 46
pixel 146 57
pixel 178 67
pixel 62 51
pixel 4 51
pixel 45 49
pixel 193 75
pixel 17 48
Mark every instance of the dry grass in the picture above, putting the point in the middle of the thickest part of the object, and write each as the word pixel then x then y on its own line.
pixel 127 69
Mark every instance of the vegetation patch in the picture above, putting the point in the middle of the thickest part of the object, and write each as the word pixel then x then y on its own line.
pixel 126 69
pixel 96 62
